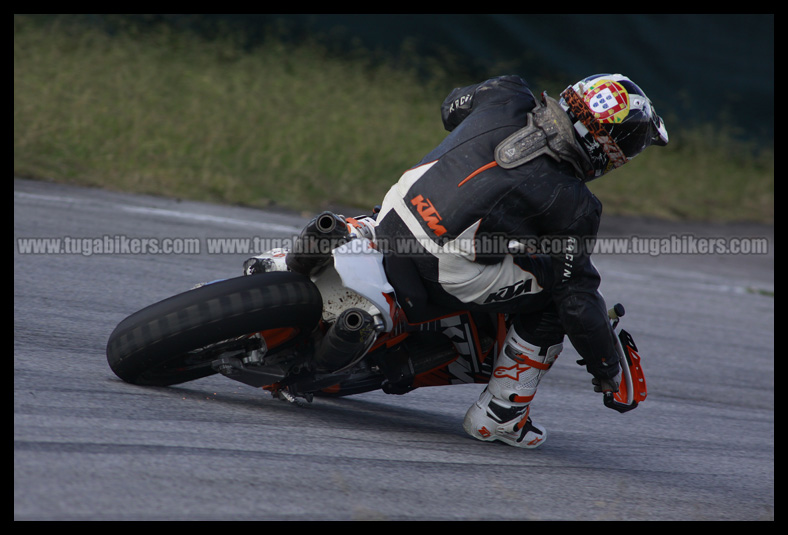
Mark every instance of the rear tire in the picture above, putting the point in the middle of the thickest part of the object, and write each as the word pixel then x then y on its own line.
pixel 158 346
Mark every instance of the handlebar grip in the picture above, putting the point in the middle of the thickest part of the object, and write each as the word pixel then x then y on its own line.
pixel 616 312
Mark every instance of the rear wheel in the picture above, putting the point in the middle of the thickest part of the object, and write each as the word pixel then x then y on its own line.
pixel 175 340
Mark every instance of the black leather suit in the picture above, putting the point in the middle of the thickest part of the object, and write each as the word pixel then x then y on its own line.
pixel 446 223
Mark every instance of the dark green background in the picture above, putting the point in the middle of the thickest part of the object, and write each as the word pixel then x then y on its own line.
pixel 696 68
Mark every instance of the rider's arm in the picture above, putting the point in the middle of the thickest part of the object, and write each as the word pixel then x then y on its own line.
pixel 584 315
pixel 582 309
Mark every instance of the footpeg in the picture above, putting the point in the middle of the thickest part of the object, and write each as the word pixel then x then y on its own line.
pixel 284 394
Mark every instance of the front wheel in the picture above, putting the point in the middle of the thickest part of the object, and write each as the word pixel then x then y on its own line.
pixel 165 343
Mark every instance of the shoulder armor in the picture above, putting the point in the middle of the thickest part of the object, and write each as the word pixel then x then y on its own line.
pixel 548 131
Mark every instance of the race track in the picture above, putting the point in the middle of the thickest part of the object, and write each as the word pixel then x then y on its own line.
pixel 90 447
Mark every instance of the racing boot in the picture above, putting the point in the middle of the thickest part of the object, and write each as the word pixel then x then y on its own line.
pixel 503 409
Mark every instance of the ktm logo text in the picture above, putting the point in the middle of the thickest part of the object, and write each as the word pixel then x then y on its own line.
pixel 429 214
pixel 509 292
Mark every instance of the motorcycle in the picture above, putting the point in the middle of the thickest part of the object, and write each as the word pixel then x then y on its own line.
pixel 338 331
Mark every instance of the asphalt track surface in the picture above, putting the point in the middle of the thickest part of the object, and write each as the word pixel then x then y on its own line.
pixel 89 447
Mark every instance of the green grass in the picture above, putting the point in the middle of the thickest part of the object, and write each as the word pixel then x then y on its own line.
pixel 701 175
pixel 168 113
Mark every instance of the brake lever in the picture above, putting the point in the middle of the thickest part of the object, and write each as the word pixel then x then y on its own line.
pixel 610 402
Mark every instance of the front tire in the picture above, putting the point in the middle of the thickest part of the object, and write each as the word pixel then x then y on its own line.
pixel 158 345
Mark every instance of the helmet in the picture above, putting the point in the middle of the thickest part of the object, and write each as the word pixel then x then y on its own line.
pixel 613 120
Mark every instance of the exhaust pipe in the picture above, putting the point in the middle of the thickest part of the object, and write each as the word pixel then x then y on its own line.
pixel 312 248
pixel 346 341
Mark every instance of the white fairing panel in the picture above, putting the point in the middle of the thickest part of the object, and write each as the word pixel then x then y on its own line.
pixel 360 267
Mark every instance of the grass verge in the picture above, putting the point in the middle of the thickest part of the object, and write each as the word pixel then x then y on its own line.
pixel 169 113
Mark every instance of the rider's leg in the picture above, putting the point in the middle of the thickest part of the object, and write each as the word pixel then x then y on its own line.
pixel 503 410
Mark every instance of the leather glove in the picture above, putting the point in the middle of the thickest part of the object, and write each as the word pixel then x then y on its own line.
pixel 607 384
pixel 607 377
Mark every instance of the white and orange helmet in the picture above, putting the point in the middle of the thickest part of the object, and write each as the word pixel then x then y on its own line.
pixel 613 120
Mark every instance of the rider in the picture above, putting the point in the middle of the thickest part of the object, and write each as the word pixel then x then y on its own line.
pixel 498 218
pixel 515 168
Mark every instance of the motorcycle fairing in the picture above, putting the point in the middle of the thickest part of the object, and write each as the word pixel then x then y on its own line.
pixel 360 266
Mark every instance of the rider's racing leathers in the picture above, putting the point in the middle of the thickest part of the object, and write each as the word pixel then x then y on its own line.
pixel 451 219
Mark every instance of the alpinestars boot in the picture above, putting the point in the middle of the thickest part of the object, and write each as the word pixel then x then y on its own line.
pixel 503 409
